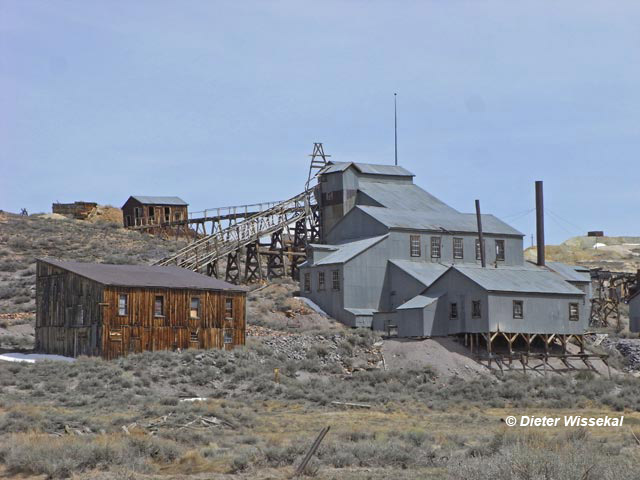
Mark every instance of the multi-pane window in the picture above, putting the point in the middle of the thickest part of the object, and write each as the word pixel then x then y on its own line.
pixel 228 336
pixel 335 279
pixel 458 248
pixel 500 250
pixel 194 311
pixel 435 247
pixel 476 310
pixel 478 251
pixel 307 282
pixel 320 280
pixel 518 310
pixel 123 307
pixel 158 307
pixel 574 312
pixel 453 311
pixel 228 308
pixel 414 245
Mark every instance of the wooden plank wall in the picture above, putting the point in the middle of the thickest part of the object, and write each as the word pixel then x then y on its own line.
pixel 140 330
pixel 67 312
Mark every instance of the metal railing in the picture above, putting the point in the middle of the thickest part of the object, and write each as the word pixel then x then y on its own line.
pixel 265 222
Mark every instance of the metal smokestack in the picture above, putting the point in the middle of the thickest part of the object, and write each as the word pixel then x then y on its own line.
pixel 480 239
pixel 540 222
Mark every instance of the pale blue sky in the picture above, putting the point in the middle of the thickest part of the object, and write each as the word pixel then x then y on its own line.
pixel 220 102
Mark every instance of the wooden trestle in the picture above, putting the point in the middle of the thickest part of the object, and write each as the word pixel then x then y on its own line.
pixel 475 341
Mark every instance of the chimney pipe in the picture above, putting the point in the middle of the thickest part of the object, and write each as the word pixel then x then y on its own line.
pixel 480 238
pixel 540 222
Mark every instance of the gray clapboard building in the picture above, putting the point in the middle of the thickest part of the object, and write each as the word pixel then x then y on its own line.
pixel 393 256
pixel 634 310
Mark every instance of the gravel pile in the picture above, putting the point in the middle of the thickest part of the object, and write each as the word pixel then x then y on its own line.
pixel 630 349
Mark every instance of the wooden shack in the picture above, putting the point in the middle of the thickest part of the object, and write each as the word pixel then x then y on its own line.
pixel 79 210
pixel 141 210
pixel 114 310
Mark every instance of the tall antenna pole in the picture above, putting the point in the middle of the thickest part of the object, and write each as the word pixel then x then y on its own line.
pixel 395 124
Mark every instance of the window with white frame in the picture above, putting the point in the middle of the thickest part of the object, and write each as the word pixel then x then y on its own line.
pixel 414 245
pixel 500 250
pixel 574 312
pixel 518 309
pixel 123 307
pixel 435 247
pixel 458 248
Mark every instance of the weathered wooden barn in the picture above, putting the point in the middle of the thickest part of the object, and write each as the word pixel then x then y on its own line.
pixel 79 210
pixel 141 210
pixel 114 310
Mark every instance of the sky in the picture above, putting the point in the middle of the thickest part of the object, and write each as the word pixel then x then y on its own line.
pixel 219 102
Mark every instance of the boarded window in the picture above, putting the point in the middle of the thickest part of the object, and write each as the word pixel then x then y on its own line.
pixel 228 308
pixel 574 312
pixel 453 311
pixel 458 248
pixel 500 250
pixel 158 309
pixel 228 336
pixel 194 311
pixel 335 279
pixel 518 310
pixel 414 245
pixel 123 307
pixel 435 247
pixel 194 336
pixel 307 282
pixel 478 252
pixel 476 309
pixel 320 280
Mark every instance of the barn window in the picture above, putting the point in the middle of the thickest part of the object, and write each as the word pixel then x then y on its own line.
pixel 500 250
pixel 435 247
pixel 123 307
pixel 458 248
pixel 476 310
pixel 128 220
pixel 320 280
pixel 307 282
pixel 228 308
pixel 137 212
pixel 478 251
pixel 414 245
pixel 453 311
pixel 574 312
pixel 335 279
pixel 518 310
pixel 167 214
pixel 158 309
pixel 194 311
pixel 228 336
pixel 151 212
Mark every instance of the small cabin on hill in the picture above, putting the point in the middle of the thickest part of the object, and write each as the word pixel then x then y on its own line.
pixel 79 210
pixel 113 310
pixel 141 210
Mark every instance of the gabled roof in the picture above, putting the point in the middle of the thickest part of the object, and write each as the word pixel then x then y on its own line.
pixel 143 276
pixel 146 200
pixel 518 280
pixel 425 272
pixel 367 168
pixel 404 196
pixel 419 301
pixel 346 251
pixel 571 273
pixel 438 222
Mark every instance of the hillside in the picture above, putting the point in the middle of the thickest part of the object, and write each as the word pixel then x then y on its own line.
pixel 619 254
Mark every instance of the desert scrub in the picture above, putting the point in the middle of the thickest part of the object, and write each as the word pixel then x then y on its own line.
pixel 63 456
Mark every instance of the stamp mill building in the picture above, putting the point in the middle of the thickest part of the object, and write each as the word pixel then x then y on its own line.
pixel 394 257
pixel 114 310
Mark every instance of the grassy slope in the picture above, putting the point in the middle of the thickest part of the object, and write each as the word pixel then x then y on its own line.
pixel 619 254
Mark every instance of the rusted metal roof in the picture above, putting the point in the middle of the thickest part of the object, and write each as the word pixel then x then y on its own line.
pixel 151 276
